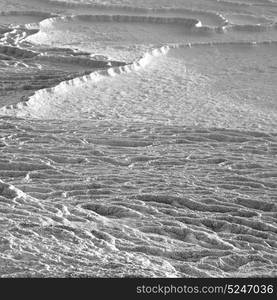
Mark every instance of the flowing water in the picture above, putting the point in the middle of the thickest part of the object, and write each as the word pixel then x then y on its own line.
pixel 138 138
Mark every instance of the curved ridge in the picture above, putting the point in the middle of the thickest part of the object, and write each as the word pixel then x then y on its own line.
pixel 190 23
pixel 93 76
pixel 85 170
pixel 22 109
pixel 219 18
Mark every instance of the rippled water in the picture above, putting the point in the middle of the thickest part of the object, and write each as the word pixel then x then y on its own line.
pixel 138 138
